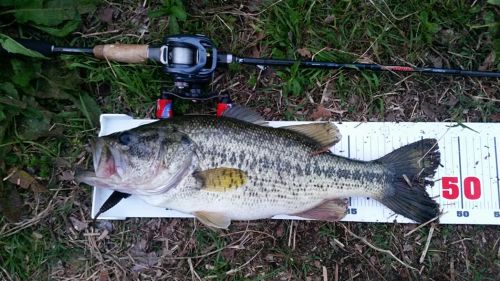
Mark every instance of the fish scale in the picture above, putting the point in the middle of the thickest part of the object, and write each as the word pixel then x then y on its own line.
pixel 277 183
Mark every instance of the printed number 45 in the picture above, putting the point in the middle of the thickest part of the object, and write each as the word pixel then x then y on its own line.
pixel 471 188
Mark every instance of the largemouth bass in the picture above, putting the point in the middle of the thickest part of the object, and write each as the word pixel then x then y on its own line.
pixel 237 168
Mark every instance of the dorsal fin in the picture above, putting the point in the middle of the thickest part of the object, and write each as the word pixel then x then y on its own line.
pixel 325 134
pixel 244 114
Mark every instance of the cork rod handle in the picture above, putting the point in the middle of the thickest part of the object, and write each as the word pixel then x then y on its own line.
pixel 127 53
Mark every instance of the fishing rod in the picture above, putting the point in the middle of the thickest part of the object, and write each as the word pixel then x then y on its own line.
pixel 192 60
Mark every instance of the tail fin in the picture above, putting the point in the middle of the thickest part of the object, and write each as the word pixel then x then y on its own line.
pixel 412 165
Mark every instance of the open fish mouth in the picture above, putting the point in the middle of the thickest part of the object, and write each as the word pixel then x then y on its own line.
pixel 108 161
pixel 107 164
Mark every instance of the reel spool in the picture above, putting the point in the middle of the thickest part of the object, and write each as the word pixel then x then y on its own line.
pixel 189 59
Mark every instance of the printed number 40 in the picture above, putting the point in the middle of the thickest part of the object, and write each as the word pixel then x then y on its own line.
pixel 471 188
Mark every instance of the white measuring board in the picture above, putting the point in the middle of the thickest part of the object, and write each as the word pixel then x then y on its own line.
pixel 467 185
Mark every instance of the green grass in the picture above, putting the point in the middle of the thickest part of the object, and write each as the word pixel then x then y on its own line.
pixel 380 33
pixel 27 257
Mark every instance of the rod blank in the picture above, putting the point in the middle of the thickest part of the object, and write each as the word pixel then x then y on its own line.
pixel 366 66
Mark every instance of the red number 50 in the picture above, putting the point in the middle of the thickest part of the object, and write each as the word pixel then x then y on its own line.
pixel 471 188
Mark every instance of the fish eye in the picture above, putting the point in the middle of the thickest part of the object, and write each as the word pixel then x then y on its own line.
pixel 124 138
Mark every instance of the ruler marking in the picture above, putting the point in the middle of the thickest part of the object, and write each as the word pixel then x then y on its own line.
pixel 488 157
pixel 363 156
pixel 349 156
pixel 483 203
pixel 496 163
pixel 473 154
pixel 348 146
pixel 467 157
pixel 452 161
pixel 460 173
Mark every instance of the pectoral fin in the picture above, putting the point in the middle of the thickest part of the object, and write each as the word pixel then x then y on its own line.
pixel 221 179
pixel 212 219
pixel 331 210
pixel 325 134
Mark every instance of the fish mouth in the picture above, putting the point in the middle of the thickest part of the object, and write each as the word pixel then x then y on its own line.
pixel 107 164
pixel 107 160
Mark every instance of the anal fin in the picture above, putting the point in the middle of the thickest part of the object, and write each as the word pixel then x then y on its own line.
pixel 330 210
pixel 213 219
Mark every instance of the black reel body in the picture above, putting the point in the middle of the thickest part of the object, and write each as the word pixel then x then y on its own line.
pixel 189 58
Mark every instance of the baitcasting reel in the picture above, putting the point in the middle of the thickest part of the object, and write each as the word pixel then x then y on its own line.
pixel 190 60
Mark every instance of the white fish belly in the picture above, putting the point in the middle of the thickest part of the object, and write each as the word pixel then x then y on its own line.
pixel 245 203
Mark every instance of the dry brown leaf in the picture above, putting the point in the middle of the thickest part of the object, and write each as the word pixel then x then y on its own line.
pixel 78 225
pixel 270 258
pixel 364 59
pixel 62 163
pixel 67 175
pixel 488 61
pixel 304 52
pixel 106 15
pixel 105 225
pixel 390 117
pixel 359 247
pixel 436 61
pixel 37 235
pixel 495 117
pixel 145 260
pixel 320 112
pixel 452 101
pixel 103 235
pixel 25 180
pixel 429 110
pixel 280 231
pixel 337 111
pixel 329 19
pixel 407 248
pixel 229 254
pixel 11 204
pixel 354 100
pixel 259 36
pixel 104 275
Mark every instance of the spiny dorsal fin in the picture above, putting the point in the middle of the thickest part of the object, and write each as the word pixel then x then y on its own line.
pixel 221 179
pixel 325 134
pixel 213 219
pixel 244 114
pixel 331 210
